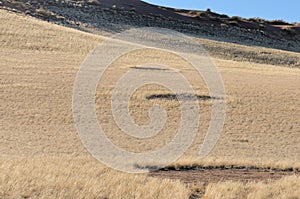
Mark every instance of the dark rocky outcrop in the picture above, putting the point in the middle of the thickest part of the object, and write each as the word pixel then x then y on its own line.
pixel 117 15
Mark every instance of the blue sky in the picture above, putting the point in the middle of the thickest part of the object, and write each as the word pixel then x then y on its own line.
pixel 288 10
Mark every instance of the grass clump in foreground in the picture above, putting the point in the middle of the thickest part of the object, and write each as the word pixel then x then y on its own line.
pixel 287 187
pixel 53 177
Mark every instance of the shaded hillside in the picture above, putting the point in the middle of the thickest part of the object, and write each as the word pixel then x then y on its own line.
pixel 117 15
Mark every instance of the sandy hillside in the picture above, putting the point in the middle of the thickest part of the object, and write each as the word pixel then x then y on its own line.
pixel 42 155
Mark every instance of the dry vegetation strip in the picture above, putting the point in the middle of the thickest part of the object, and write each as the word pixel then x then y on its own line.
pixel 81 177
pixel 242 53
pixel 43 157
pixel 204 182
pixel 287 187
pixel 206 176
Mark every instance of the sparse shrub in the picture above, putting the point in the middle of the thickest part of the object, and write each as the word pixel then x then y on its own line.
pixel 201 14
pixel 42 11
pixel 261 25
pixel 224 25
pixel 273 22
pixel 45 13
pixel 233 23
pixel 191 12
pixel 236 18
pixel 94 2
pixel 224 16
pixel 257 20
pixel 279 22
pixel 217 19
pixel 18 4
pixel 290 30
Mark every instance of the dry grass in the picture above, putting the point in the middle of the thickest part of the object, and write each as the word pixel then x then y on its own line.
pixel 65 177
pixel 287 187
pixel 39 144
pixel 39 62
pixel 242 53
pixel 262 125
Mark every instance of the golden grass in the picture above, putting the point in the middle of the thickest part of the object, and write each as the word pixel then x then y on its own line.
pixel 287 187
pixel 243 53
pixel 42 156
pixel 81 177
pixel 39 144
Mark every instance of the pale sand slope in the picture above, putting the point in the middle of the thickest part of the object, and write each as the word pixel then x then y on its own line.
pixel 38 67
